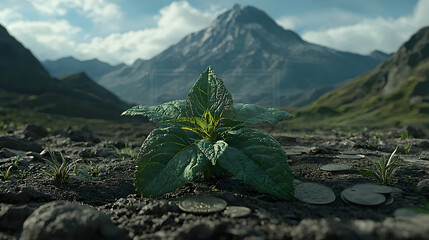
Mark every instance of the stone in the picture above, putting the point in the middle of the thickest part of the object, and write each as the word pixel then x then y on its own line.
pixel 83 135
pixel 19 144
pixel 390 228
pixel 34 132
pixel 23 195
pixel 403 228
pixel 415 132
pixel 204 230
pixel 423 187
pixel 423 145
pixel 12 217
pixel 8 153
pixel 63 220
pixel 324 229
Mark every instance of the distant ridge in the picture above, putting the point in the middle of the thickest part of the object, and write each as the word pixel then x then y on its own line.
pixel 25 84
pixel 94 68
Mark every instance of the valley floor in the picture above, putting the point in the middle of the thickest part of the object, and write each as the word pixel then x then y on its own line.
pixel 24 209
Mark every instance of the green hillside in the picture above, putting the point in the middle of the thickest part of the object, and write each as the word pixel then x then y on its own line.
pixel 394 93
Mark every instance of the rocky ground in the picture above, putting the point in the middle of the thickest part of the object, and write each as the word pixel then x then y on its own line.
pixel 104 205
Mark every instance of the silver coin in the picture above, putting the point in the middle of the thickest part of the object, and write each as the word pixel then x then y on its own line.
pixel 202 204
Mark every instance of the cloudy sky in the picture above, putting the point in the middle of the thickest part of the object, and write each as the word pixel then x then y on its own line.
pixel 124 30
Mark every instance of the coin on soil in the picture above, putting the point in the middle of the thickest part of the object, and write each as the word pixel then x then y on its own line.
pixel 237 211
pixel 335 167
pixel 346 156
pixel 373 188
pixel 202 204
pixel 314 193
pixel 362 197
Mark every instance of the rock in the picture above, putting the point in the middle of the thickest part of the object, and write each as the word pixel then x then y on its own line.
pixel 423 187
pixel 19 144
pixel 403 228
pixel 34 132
pixel 8 153
pixel 415 132
pixel 117 144
pixel 83 135
pixel 63 220
pixel 324 229
pixel 204 230
pixel 103 152
pixel 36 156
pixel 423 145
pixel 23 195
pixel 321 150
pixel 12 217
pixel 390 228
pixel 46 155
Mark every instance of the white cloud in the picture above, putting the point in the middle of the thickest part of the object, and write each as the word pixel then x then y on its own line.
pixel 385 34
pixel 47 40
pixel 173 23
pixel 8 15
pixel 287 22
pixel 316 19
pixel 97 10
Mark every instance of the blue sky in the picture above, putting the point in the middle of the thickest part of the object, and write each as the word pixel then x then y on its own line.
pixel 124 30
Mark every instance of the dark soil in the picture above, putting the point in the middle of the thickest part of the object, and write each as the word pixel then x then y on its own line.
pixel 112 190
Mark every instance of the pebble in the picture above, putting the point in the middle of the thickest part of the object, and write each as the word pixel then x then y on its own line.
pixel 423 187
pixel 19 144
pixel 63 220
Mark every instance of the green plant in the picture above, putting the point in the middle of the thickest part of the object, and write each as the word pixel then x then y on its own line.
pixel 206 135
pixel 423 210
pixel 384 171
pixel 6 175
pixel 65 170
pixel 126 152
pixel 22 173
pixel 406 135
pixel 3 128
pixel 91 168
pixel 407 148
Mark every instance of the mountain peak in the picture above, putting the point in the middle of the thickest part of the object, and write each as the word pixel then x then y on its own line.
pixel 240 14
pixel 251 18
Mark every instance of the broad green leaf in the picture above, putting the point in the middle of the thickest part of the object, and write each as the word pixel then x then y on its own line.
pixel 168 159
pixel 230 123
pixel 159 114
pixel 257 159
pixel 252 114
pixel 208 93
pixel 212 151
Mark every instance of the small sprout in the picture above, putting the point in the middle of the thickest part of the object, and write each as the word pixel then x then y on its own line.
pixel 407 148
pixel 3 128
pixel 126 152
pixel 22 173
pixel 91 168
pixel 406 135
pixel 63 171
pixel 384 171
pixel 424 210
pixel 6 175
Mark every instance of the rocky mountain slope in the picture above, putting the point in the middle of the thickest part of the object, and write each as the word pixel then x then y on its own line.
pixel 94 68
pixel 395 91
pixel 25 84
pixel 259 61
